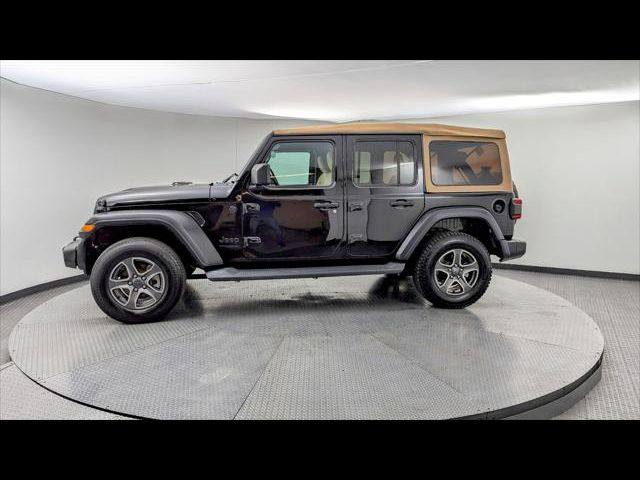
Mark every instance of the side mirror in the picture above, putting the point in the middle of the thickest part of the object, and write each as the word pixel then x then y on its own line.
pixel 260 174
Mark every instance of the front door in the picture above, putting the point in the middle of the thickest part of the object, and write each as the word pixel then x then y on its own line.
pixel 300 214
pixel 385 191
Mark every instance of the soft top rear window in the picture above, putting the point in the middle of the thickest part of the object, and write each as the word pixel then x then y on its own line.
pixel 465 163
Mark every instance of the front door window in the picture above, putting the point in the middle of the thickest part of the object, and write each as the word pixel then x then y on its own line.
pixel 302 164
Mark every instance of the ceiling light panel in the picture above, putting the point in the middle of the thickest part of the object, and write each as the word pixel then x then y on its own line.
pixel 338 90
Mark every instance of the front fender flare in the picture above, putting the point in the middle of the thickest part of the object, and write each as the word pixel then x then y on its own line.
pixel 183 226
pixel 429 219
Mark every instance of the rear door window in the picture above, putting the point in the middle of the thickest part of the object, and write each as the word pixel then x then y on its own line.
pixel 384 163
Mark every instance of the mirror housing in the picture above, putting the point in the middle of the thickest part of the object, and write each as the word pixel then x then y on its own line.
pixel 260 175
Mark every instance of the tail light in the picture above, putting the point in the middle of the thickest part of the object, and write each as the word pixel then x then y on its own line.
pixel 515 211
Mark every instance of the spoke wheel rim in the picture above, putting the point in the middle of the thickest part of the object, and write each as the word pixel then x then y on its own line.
pixel 456 272
pixel 137 284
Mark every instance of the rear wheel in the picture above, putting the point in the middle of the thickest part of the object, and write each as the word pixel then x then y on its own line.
pixel 453 270
pixel 137 280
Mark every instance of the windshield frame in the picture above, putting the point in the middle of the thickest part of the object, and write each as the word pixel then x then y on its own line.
pixel 252 158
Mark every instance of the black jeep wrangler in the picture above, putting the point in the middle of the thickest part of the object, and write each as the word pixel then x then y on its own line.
pixel 430 201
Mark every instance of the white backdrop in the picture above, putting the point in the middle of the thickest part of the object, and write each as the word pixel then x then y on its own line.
pixel 575 167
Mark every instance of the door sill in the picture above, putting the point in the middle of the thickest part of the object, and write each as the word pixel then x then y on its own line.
pixel 229 274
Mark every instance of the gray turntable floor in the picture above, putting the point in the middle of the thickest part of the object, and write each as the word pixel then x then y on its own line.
pixel 615 307
pixel 613 304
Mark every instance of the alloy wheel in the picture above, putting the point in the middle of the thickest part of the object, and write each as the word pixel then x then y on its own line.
pixel 136 284
pixel 456 272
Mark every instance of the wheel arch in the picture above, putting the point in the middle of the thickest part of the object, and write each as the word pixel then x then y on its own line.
pixel 476 221
pixel 177 229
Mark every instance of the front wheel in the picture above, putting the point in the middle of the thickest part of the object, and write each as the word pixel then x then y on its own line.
pixel 137 280
pixel 453 270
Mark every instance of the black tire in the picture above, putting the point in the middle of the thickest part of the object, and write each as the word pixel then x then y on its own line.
pixel 424 276
pixel 168 263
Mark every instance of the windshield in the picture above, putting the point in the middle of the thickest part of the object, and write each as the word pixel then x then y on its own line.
pixel 235 176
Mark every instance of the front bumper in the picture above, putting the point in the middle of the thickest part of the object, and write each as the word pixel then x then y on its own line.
pixel 74 254
pixel 512 249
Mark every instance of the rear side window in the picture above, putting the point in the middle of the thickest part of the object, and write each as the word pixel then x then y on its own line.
pixel 465 163
pixel 384 163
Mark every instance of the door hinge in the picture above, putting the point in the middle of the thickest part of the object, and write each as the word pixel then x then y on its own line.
pixel 251 207
pixel 252 241
pixel 355 237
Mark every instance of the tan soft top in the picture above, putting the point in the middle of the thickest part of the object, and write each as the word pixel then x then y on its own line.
pixel 433 129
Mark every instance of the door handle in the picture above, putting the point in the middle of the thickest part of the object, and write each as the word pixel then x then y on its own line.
pixel 401 203
pixel 326 205
pixel 355 206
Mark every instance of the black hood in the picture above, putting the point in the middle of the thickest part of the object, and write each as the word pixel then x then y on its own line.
pixel 179 192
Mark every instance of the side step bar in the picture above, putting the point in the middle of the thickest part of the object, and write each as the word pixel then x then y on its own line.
pixel 228 274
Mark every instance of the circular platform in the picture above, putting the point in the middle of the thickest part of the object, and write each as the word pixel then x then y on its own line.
pixel 348 347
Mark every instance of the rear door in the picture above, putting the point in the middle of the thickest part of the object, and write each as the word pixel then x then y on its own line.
pixel 385 191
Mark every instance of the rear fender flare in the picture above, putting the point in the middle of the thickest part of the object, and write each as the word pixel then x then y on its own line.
pixel 429 219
